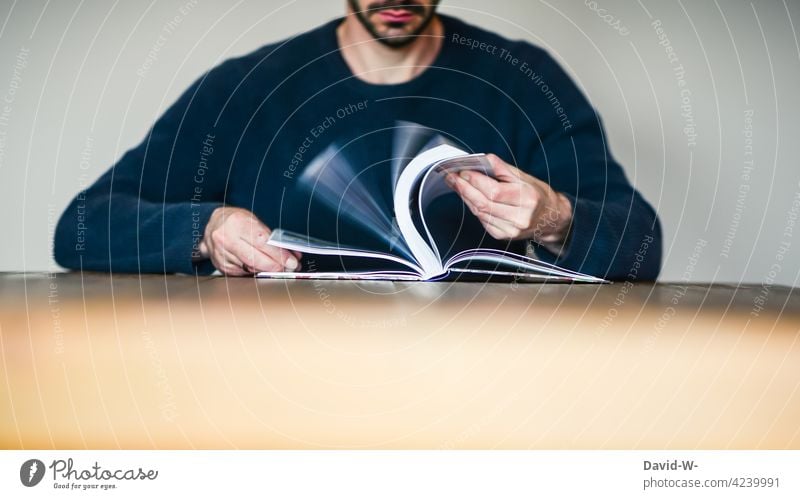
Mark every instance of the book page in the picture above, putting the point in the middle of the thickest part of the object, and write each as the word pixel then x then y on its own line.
pixel 503 262
pixel 433 185
pixel 406 201
pixel 342 276
pixel 308 245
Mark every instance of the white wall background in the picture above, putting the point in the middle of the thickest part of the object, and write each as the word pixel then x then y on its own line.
pixel 76 103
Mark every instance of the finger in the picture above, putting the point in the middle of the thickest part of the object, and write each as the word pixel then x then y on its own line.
pixel 495 231
pixel 471 206
pixel 468 192
pixel 252 230
pixel 518 216
pixel 289 260
pixel 511 216
pixel 514 216
pixel 498 229
pixel 228 264
pixel 266 258
pixel 505 172
pixel 509 193
pixel 223 256
pixel 504 229
pixel 255 235
pixel 259 238
pixel 257 260
pixel 475 200
pixel 488 186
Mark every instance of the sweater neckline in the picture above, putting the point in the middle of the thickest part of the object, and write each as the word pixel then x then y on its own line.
pixel 343 75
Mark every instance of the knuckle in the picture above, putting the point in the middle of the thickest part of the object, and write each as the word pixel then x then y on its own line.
pixel 218 237
pixel 238 218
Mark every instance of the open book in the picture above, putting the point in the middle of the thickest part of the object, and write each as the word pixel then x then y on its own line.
pixel 414 253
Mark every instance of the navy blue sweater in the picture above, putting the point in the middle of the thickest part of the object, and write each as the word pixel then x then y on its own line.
pixel 242 134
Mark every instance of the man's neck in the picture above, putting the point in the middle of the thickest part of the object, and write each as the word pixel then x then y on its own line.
pixel 378 64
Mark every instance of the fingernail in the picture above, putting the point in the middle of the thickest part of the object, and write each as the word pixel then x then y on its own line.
pixel 464 175
pixel 292 263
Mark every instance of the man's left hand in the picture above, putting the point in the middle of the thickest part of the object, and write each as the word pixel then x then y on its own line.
pixel 515 205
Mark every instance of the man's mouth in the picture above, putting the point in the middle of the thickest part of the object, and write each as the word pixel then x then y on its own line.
pixel 396 16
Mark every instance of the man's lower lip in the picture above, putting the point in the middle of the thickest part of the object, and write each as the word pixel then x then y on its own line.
pixel 395 16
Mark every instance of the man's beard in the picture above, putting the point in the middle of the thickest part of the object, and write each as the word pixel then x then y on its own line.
pixel 411 5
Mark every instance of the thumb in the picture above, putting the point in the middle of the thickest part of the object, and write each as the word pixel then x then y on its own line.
pixel 503 171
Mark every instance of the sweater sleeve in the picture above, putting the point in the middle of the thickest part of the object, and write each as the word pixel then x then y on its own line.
pixel 615 233
pixel 149 211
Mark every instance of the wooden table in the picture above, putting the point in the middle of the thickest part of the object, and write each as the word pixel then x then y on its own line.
pixel 141 362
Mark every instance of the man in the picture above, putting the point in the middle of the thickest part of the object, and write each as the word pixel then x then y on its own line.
pixel 219 169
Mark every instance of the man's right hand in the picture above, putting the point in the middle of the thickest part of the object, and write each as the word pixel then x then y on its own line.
pixel 235 241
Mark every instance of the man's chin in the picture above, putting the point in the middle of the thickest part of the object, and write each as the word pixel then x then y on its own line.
pixel 397 30
pixel 397 41
pixel 401 35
